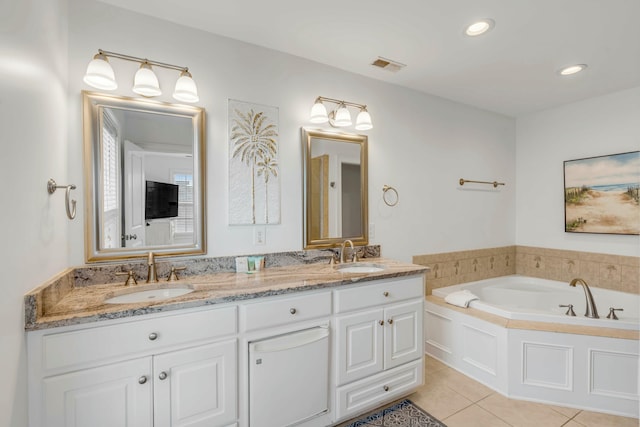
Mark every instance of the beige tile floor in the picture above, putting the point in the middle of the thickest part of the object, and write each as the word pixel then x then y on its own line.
pixel 457 400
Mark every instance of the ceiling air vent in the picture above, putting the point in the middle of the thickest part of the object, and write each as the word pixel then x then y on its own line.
pixel 388 64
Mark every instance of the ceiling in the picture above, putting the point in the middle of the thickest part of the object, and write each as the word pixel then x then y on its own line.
pixel 511 70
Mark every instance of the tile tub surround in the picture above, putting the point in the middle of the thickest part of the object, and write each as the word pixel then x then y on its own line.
pixel 86 303
pixel 616 272
pixel 453 268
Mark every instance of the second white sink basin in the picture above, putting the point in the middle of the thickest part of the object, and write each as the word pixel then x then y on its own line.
pixel 147 295
pixel 360 267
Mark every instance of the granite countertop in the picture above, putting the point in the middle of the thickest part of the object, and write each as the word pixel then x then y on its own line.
pixel 69 305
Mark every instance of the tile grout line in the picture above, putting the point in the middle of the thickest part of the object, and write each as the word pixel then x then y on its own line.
pixel 573 419
pixel 482 409
pixel 459 410
pixel 497 416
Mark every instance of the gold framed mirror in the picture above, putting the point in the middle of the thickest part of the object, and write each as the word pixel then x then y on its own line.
pixel 144 178
pixel 335 188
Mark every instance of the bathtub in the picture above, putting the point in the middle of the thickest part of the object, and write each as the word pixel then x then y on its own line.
pixel 528 298
pixel 535 352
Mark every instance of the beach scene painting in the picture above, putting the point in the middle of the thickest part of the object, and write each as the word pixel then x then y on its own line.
pixel 601 194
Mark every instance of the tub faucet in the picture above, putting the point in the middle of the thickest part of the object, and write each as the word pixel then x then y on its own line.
pixel 354 255
pixel 152 274
pixel 591 311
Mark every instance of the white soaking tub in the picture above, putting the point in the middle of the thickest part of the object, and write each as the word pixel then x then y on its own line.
pixel 528 298
pixel 536 352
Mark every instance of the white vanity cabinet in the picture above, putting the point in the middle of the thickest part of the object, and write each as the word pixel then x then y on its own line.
pixel 314 358
pixel 196 387
pixel 178 370
pixel 379 343
pixel 119 394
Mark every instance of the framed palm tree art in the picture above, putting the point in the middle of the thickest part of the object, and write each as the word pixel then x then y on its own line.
pixel 254 178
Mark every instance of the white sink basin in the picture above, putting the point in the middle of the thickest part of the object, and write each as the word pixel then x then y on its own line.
pixel 360 267
pixel 147 295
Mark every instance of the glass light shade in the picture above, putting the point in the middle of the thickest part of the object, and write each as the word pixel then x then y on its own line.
pixel 363 120
pixel 100 74
pixel 318 113
pixel 145 82
pixel 186 90
pixel 343 116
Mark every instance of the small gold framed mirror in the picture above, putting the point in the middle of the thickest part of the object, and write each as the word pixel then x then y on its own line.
pixel 335 188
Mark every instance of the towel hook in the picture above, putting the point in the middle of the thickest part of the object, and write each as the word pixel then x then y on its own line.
pixel 384 195
pixel 71 207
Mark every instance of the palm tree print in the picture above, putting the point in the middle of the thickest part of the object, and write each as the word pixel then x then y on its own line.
pixel 267 167
pixel 253 138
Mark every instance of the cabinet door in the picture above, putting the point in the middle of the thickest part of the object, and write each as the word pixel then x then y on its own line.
pixel 197 386
pixel 359 345
pixel 117 395
pixel 403 340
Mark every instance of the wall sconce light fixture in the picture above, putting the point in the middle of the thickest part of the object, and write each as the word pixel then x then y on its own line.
pixel 101 76
pixel 340 116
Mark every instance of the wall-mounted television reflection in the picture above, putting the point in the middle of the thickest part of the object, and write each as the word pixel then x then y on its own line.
pixel 161 200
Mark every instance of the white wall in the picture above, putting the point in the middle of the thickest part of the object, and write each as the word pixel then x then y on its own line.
pixel 598 126
pixel 33 112
pixel 420 144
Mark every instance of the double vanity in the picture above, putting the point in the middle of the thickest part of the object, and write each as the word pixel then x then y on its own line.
pixel 303 343
pixel 311 345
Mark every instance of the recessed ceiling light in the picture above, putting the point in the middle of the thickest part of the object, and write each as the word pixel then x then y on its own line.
pixel 479 27
pixel 572 69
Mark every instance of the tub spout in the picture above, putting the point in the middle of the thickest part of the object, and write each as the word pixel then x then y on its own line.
pixel 591 311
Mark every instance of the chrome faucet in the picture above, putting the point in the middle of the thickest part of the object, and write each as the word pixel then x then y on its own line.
pixel 354 255
pixel 591 311
pixel 152 274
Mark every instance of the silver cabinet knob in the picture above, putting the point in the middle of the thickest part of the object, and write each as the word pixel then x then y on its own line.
pixel 162 375
pixel 142 379
pixel 293 311
pixel 386 294
pixel 390 321
pixel 153 336
pixel 386 388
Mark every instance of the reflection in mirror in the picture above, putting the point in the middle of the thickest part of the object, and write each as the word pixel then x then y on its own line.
pixel 144 177
pixel 335 188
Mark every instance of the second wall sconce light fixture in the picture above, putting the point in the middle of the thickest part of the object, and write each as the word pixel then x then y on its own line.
pixel 101 76
pixel 340 116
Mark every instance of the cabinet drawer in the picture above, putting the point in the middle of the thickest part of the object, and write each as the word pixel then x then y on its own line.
pixel 369 393
pixel 286 310
pixel 379 293
pixel 94 345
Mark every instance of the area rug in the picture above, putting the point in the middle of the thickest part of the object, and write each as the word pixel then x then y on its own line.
pixel 400 414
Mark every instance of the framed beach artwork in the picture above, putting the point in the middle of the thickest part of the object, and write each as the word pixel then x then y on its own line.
pixel 254 178
pixel 601 194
